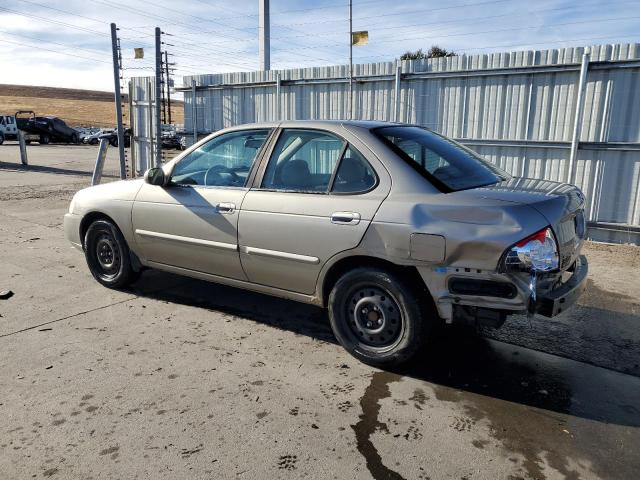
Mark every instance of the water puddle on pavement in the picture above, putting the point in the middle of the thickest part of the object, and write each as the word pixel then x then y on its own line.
pixel 369 423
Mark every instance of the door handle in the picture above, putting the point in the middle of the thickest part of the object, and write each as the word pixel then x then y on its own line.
pixel 225 207
pixel 345 218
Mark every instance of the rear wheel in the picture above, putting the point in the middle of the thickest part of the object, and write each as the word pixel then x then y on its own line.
pixel 107 255
pixel 1 138
pixel 74 139
pixel 378 317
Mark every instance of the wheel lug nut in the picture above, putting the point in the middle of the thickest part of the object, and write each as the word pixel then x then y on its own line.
pixel 379 321
pixel 368 324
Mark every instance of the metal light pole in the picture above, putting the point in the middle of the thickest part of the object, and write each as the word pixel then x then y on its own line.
pixel 264 34
pixel 350 59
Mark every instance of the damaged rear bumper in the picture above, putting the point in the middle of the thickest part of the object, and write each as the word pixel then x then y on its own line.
pixel 556 301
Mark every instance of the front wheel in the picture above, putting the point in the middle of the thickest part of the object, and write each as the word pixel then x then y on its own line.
pixel 379 317
pixel 44 139
pixel 107 255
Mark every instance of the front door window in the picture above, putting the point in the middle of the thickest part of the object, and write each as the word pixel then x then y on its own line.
pixel 225 161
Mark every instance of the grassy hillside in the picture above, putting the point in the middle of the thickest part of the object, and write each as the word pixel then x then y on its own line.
pixel 76 107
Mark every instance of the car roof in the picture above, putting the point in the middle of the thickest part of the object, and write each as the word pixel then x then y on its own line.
pixel 368 124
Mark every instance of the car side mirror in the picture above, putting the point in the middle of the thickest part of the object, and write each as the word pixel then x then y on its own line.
pixel 155 176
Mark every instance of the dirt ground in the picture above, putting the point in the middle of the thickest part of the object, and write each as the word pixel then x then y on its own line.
pixel 178 378
pixel 76 107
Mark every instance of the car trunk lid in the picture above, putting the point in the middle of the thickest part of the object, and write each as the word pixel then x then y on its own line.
pixel 560 203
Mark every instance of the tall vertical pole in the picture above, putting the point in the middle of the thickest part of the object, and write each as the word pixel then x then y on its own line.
pixel 577 120
pixel 166 67
pixel 194 113
pixel 350 59
pixel 158 151
pixel 118 99
pixel 264 32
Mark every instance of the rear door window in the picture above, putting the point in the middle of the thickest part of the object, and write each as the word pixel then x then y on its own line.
pixel 303 161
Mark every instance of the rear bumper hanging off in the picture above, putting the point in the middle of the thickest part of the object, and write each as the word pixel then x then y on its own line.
pixel 556 301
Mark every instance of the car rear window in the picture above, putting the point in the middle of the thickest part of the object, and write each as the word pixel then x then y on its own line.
pixel 446 163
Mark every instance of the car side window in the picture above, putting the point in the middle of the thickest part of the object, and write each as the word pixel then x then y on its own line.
pixel 354 174
pixel 303 161
pixel 224 161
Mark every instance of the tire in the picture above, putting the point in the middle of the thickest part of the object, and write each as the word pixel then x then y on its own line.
pixel 74 139
pixel 378 317
pixel 93 141
pixel 1 138
pixel 107 255
pixel 44 139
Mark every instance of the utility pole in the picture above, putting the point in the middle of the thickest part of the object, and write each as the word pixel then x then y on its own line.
pixel 350 59
pixel 118 98
pixel 166 66
pixel 264 41
pixel 164 105
pixel 158 152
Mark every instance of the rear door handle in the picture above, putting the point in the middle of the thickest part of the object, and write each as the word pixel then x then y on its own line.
pixel 345 218
pixel 225 207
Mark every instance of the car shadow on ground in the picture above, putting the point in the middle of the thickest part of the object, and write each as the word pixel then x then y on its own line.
pixel 455 358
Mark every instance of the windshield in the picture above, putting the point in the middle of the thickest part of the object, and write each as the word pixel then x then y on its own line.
pixel 449 165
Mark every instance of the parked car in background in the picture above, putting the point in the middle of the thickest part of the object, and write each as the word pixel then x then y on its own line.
pixel 8 128
pixel 394 228
pixel 86 132
pixel 94 138
pixel 45 129
pixel 112 136
pixel 172 141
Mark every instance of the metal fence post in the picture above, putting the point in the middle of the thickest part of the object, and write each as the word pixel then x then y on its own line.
pixel 133 127
pixel 23 148
pixel 396 116
pixel 158 153
pixel 102 155
pixel 149 158
pixel 278 100
pixel 577 125
pixel 194 113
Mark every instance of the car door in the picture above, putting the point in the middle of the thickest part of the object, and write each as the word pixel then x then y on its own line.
pixel 314 198
pixel 192 222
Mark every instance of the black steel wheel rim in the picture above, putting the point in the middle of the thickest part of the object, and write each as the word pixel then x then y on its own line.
pixel 374 317
pixel 107 254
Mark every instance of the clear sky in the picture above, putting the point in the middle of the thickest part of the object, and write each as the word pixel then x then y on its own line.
pixel 66 43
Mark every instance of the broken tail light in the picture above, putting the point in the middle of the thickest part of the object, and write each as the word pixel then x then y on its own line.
pixel 535 253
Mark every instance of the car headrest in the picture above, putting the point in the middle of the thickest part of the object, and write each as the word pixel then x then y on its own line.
pixel 352 170
pixel 295 173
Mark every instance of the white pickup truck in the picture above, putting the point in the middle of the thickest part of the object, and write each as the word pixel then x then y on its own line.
pixel 8 128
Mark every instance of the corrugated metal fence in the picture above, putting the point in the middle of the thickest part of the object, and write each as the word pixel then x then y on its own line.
pixel 530 112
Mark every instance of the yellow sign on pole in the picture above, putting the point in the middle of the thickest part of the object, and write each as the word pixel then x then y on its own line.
pixel 358 39
pixel 139 53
